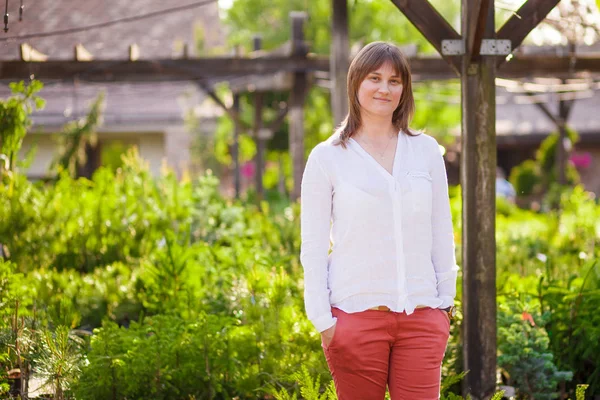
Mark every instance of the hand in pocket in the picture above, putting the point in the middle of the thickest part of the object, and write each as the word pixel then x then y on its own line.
pixel 327 335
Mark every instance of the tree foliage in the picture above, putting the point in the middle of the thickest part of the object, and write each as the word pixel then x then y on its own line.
pixel 76 137
pixel 14 119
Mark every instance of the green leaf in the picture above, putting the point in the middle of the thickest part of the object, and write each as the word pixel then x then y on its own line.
pixel 40 103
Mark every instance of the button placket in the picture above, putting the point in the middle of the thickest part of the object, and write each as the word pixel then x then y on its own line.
pixel 400 267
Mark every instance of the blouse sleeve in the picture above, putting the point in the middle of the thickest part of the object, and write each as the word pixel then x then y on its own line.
pixel 315 216
pixel 442 254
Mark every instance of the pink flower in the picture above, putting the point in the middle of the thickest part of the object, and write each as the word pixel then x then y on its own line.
pixel 581 160
pixel 248 169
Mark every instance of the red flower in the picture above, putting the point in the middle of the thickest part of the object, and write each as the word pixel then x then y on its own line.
pixel 527 317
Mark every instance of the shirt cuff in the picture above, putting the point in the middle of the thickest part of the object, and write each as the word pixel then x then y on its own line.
pixel 324 322
pixel 447 301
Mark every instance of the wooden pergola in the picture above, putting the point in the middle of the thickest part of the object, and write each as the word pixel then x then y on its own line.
pixel 477 55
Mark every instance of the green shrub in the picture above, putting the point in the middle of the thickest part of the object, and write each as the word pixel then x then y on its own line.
pixel 525 178
pixel 546 159
pixel 524 352
pixel 540 175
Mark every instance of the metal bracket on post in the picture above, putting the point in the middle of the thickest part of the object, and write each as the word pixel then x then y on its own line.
pixel 489 47
pixel 455 47
pixel 493 47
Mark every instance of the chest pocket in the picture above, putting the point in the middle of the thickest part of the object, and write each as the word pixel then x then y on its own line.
pixel 357 205
pixel 420 194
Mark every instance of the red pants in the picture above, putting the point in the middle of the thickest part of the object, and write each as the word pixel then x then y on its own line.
pixel 372 349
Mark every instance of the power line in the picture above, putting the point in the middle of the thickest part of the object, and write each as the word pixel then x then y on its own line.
pixel 110 23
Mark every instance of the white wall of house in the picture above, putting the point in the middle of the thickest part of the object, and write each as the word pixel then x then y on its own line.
pixel 171 145
pixel 45 151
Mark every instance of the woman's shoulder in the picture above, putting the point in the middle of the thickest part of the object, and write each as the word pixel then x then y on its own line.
pixel 327 147
pixel 423 140
pixel 419 136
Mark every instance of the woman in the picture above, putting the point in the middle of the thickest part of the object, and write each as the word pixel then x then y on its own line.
pixel 382 298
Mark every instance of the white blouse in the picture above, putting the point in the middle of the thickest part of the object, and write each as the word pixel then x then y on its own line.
pixel 391 236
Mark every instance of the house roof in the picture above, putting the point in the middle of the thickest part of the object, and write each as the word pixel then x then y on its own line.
pixel 154 104
pixel 157 37
pixel 144 106
pixel 517 115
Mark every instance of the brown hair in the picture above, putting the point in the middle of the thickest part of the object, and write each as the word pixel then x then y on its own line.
pixel 368 59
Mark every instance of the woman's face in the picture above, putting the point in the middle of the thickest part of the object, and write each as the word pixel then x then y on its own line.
pixel 380 91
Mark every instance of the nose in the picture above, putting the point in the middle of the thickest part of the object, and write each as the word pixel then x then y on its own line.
pixel 384 88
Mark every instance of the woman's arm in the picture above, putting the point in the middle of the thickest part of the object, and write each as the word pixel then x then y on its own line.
pixel 315 216
pixel 442 254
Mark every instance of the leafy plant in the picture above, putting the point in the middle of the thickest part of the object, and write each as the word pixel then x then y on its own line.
pixel 14 119
pixel 581 392
pixel 309 387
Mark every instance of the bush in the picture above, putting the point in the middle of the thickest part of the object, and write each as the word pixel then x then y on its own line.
pixel 540 175
pixel 524 352
pixel 525 178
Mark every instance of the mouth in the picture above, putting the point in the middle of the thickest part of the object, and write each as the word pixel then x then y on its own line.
pixel 384 100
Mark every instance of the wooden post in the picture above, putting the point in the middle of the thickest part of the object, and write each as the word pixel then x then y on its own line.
pixel 561 157
pixel 564 108
pixel 280 181
pixel 260 143
pixel 235 150
pixel 477 177
pixel 560 121
pixel 296 109
pixel 339 60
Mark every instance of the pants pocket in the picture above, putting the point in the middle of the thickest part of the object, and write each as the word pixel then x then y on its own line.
pixel 339 314
pixel 446 318
pixel 335 335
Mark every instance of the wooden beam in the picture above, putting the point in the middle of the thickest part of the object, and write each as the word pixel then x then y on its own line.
pixel 431 24
pixel 339 60
pixel 543 108
pixel 477 19
pixel 548 66
pixel 477 179
pixel 223 68
pixel 161 70
pixel 518 26
pixel 233 114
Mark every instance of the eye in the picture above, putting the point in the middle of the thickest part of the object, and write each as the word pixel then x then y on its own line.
pixel 374 78
pixel 396 82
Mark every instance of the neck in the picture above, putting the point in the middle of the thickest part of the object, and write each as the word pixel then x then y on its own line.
pixel 376 128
